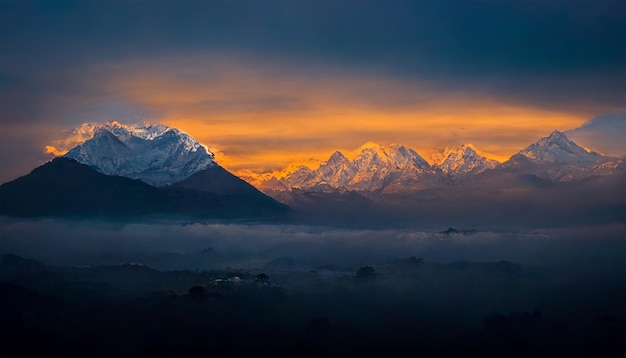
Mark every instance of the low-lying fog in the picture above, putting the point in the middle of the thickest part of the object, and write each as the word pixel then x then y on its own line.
pixel 218 245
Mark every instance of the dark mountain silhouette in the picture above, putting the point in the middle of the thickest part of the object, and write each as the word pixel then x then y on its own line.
pixel 64 187
pixel 217 180
pixel 233 191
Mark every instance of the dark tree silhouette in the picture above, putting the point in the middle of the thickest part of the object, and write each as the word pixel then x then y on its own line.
pixel 197 290
pixel 198 294
pixel 366 272
pixel 262 278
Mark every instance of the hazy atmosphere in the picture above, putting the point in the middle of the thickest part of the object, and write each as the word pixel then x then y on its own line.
pixel 250 246
pixel 312 178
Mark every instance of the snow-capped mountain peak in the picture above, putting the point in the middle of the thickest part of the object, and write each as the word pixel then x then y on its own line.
pixel 557 135
pixel 396 169
pixel 156 154
pixel 557 158
pixel 372 156
pixel 557 148
pixel 463 159
pixel 337 158
pixel 123 131
pixel 370 169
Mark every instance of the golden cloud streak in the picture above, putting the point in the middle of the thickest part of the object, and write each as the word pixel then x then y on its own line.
pixel 261 118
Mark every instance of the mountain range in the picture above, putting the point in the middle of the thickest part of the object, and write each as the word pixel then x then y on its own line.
pixel 395 168
pixel 153 169
pixel 551 182
pixel 135 170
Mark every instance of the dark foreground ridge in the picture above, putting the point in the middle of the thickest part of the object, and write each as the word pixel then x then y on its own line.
pixel 401 308
pixel 64 187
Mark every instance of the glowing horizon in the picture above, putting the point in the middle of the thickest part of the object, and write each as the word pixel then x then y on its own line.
pixel 261 118
pixel 283 160
pixel 291 82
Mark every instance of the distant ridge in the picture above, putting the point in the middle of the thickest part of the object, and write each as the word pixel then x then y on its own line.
pixel 557 158
pixel 370 170
pixel 463 159
pixel 398 169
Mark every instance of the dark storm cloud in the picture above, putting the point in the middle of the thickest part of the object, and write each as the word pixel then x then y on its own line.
pixel 533 53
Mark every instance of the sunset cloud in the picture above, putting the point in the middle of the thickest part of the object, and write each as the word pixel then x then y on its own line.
pixel 70 138
pixel 273 84
pixel 262 118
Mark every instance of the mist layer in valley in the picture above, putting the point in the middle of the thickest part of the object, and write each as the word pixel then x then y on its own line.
pixel 76 288
pixel 89 243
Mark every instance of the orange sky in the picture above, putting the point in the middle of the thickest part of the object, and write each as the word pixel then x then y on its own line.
pixel 262 118
pixel 292 81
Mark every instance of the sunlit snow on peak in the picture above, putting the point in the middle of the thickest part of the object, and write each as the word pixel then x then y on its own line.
pixel 558 148
pixel 156 154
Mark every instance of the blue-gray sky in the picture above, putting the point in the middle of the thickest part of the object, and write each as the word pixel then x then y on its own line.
pixel 65 63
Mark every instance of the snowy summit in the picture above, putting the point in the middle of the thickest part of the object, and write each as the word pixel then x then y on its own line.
pixel 557 148
pixel 373 167
pixel 463 159
pixel 156 154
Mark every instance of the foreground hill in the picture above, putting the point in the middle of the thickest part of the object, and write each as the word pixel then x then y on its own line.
pixel 64 187
pixel 231 190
